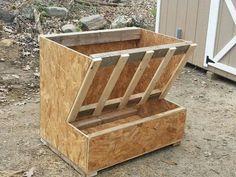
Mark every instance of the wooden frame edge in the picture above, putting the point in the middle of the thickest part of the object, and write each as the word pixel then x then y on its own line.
pixel 129 124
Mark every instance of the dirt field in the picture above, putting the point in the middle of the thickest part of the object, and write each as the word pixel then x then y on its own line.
pixel 208 148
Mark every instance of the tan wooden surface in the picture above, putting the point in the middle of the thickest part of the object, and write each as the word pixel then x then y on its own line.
pixel 96 37
pixel 73 83
pixel 59 83
pixel 140 139
pixel 138 74
pixel 111 83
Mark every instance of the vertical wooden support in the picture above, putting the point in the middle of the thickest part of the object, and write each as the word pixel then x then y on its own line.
pixel 138 74
pixel 178 70
pixel 157 75
pixel 111 83
pixel 84 89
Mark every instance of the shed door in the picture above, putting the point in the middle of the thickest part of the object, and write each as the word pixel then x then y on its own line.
pixel 221 36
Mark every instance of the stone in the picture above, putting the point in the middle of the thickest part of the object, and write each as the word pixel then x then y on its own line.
pixel 6 16
pixel 6 42
pixel 121 22
pixel 68 28
pixel 93 22
pixel 56 11
pixel 28 12
pixel 138 20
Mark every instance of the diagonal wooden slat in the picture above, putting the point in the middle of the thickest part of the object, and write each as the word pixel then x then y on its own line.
pixel 111 83
pixel 178 70
pixel 157 75
pixel 84 89
pixel 138 74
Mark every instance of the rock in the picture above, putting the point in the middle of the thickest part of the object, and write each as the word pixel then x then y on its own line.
pixel 37 74
pixel 26 68
pixel 68 28
pixel 28 12
pixel 6 42
pixel 138 20
pixel 120 22
pixel 56 11
pixel 2 60
pixel 6 16
pixel 93 22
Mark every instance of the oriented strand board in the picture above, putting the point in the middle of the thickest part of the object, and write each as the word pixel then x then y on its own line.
pixel 72 82
pixel 132 141
pixel 61 74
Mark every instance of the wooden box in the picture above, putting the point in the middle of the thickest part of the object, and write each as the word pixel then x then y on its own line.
pixel 102 95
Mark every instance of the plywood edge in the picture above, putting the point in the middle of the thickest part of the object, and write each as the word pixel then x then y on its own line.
pixel 43 38
pixel 164 35
pixel 136 55
pixel 96 37
pixel 140 121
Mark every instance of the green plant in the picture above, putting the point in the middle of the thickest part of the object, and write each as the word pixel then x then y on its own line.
pixel 154 11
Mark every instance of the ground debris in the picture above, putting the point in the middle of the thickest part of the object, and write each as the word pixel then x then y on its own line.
pixel 29 173
pixel 11 173
pixel 169 162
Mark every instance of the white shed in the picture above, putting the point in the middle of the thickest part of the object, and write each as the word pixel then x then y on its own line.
pixel 209 23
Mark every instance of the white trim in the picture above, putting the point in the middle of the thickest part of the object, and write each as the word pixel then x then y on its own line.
pixel 158 15
pixel 224 67
pixel 232 9
pixel 211 32
pixel 225 50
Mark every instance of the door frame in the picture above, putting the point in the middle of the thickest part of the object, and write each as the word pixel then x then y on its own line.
pixel 209 58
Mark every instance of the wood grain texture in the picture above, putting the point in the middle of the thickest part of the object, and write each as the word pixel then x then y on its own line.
pixel 149 38
pixel 61 73
pixel 150 126
pixel 152 107
pixel 157 75
pixel 96 37
pixel 105 47
pixel 135 140
pixel 134 81
pixel 111 83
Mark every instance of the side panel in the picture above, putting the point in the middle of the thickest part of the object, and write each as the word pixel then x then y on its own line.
pixel 61 74
pixel 131 141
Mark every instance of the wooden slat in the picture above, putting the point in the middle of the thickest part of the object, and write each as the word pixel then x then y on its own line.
pixel 84 89
pixel 111 83
pixel 157 75
pixel 136 55
pixel 138 74
pixel 105 118
pixel 117 100
pixel 178 70
pixel 96 37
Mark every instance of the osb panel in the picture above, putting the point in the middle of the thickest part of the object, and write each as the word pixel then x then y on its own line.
pixel 151 107
pixel 106 47
pixel 149 38
pixel 102 76
pixel 61 71
pixel 170 68
pixel 111 124
pixel 133 141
